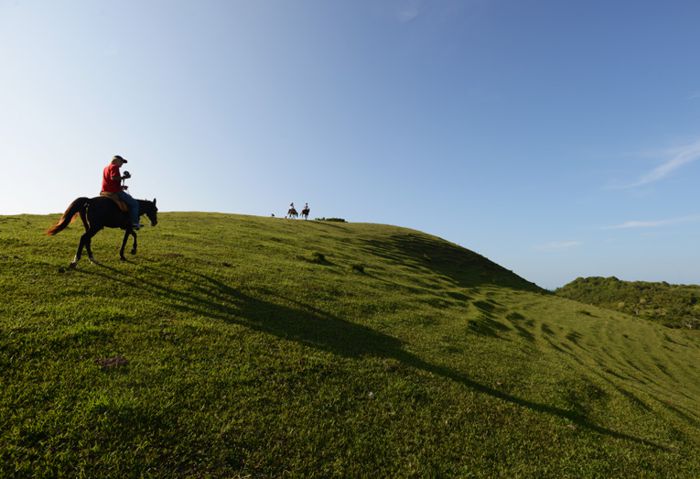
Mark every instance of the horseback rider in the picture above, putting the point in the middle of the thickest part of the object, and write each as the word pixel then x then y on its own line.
pixel 111 183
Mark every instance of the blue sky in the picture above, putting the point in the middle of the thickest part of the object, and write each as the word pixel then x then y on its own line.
pixel 559 139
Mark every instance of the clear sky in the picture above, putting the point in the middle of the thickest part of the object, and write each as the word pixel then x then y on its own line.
pixel 557 138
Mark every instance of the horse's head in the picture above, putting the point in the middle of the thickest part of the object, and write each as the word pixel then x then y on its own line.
pixel 151 210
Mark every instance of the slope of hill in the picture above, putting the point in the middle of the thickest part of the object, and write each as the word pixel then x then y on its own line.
pixel 236 346
pixel 675 306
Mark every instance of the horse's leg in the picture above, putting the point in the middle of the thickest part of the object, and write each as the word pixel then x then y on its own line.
pixel 79 253
pixel 126 235
pixel 88 242
pixel 92 227
pixel 88 247
pixel 133 250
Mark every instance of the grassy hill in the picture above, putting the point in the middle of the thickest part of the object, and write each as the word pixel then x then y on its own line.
pixel 675 306
pixel 237 346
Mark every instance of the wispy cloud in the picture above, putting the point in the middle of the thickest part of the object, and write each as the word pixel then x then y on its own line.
pixel 694 96
pixel 674 159
pixel 654 223
pixel 408 11
pixel 559 245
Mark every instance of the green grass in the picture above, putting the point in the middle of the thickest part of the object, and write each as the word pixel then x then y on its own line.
pixel 675 306
pixel 238 346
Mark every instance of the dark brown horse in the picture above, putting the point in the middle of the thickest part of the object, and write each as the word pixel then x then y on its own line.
pixel 305 213
pixel 100 212
pixel 292 213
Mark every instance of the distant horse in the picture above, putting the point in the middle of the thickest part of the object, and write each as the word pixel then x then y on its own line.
pixel 97 213
pixel 305 213
pixel 292 213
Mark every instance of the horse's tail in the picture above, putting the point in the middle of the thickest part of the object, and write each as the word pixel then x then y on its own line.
pixel 75 208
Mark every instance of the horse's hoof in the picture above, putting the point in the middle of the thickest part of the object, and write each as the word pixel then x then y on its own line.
pixel 92 260
pixel 72 265
pixel 121 258
pixel 133 251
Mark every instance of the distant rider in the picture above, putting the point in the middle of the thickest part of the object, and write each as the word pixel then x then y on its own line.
pixel 111 183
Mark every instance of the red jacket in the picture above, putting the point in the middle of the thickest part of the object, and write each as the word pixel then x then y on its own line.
pixel 108 184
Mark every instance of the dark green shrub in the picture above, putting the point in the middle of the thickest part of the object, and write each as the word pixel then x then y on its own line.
pixel 358 268
pixel 318 258
pixel 337 220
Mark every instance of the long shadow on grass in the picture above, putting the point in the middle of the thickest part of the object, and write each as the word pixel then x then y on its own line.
pixel 464 267
pixel 210 297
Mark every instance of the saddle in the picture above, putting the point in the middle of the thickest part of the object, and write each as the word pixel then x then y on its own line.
pixel 115 197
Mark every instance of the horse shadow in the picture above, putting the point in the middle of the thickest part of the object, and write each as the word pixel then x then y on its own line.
pixel 286 318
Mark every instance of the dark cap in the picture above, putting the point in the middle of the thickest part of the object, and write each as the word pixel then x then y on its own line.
pixel 117 157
